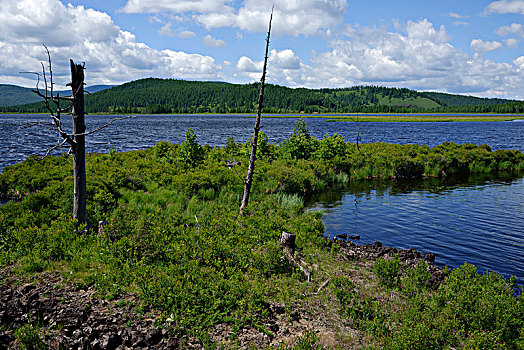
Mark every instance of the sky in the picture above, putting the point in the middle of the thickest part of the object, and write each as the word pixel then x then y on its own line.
pixel 472 47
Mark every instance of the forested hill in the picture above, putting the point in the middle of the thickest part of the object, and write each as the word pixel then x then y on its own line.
pixel 154 95
pixel 459 100
pixel 12 95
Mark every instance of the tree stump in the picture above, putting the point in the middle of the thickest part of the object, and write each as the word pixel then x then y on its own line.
pixel 288 242
pixel 101 226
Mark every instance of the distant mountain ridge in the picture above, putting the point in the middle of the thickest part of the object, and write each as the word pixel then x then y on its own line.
pixel 154 95
pixel 13 95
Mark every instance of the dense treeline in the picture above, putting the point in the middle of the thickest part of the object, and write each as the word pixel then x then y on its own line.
pixel 152 96
pixel 172 213
pixel 460 100
pixel 12 95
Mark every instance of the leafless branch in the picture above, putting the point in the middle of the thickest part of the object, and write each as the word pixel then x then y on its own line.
pixel 104 126
pixel 50 69
pixel 49 150
pixel 232 166
pixel 322 285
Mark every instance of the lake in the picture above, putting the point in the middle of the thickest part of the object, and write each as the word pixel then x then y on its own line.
pixel 17 142
pixel 476 220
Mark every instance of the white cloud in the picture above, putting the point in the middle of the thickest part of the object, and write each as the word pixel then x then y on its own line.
pixel 186 34
pixel 481 46
pixel 285 59
pixel 306 17
pixel 48 21
pixel 460 23
pixel 111 54
pixel 512 29
pixel 418 57
pixel 247 65
pixel 213 42
pixel 505 6
pixel 154 19
pixel 456 15
pixel 512 43
pixel 165 30
pixel 292 17
pixel 519 62
pixel 179 6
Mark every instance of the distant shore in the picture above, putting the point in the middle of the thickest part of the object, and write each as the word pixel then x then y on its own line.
pixel 362 117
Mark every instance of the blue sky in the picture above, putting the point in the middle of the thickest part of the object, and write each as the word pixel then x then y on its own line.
pixel 473 47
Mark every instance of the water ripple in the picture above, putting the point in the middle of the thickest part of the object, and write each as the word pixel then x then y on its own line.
pixel 482 223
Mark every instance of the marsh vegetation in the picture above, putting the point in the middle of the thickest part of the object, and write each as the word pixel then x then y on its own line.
pixel 175 240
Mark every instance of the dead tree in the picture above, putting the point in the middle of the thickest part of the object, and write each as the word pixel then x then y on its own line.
pixel 251 168
pixel 76 140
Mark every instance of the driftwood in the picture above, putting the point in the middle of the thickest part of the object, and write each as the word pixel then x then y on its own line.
pixel 322 285
pixel 288 244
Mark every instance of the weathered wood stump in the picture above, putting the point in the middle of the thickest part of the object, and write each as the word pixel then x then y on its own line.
pixel 288 242
pixel 101 226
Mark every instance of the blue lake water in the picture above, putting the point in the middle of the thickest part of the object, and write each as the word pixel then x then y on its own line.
pixel 17 141
pixel 476 220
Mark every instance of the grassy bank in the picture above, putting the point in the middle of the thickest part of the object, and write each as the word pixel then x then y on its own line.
pixel 363 117
pixel 174 239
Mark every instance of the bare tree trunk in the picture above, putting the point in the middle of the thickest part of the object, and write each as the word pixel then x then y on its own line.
pixel 251 168
pixel 79 147
pixel 76 140
pixel 358 132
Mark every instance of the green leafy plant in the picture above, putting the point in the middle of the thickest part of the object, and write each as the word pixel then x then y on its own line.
pixel 388 271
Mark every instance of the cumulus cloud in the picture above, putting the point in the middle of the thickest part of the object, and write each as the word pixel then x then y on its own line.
pixel 284 67
pixel 512 43
pixel 505 6
pixel 111 54
pixel 213 42
pixel 481 46
pixel 247 65
pixel 417 56
pixel 284 59
pixel 519 62
pixel 512 29
pixel 165 30
pixel 305 17
pixel 179 6
pixel 28 21
pixel 186 34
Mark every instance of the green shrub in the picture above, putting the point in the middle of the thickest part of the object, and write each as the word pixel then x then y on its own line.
pixel 190 153
pixel 300 145
pixel 482 340
pixel 388 271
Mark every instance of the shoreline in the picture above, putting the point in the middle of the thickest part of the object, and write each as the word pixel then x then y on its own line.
pixel 349 117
